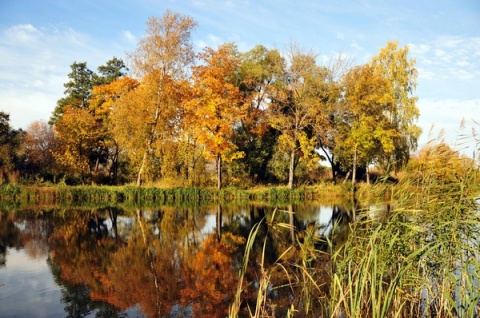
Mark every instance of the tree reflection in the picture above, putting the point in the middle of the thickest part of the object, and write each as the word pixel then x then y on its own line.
pixel 174 261
pixel 10 236
pixel 79 252
pixel 211 275
pixel 146 270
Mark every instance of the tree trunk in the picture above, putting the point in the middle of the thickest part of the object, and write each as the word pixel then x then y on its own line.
pixel 347 176
pixel 140 171
pixel 219 172
pixel 219 223
pixel 291 169
pixel 151 260
pixel 354 168
pixel 368 174
pixel 151 139
pixel 330 159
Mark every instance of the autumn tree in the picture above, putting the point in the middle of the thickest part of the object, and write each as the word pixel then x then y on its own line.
pixel 295 105
pixel 399 70
pixel 78 102
pixel 160 63
pixel 101 104
pixel 216 106
pixel 77 136
pixel 364 130
pixel 40 144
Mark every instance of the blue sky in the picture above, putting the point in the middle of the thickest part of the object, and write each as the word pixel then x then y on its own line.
pixel 39 40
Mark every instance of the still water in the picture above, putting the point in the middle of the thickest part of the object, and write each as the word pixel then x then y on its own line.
pixel 162 262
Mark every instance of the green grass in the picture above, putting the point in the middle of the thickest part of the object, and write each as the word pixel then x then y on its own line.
pixel 61 194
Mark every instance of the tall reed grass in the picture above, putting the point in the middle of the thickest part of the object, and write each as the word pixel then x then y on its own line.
pixel 420 257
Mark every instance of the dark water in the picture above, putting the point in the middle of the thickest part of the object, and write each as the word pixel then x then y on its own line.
pixel 162 262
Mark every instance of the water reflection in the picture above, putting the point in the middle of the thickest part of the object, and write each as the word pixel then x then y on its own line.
pixel 165 262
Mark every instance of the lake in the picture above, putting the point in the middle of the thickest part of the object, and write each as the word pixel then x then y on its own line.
pixel 168 261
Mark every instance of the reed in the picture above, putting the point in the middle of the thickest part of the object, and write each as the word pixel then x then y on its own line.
pixel 420 258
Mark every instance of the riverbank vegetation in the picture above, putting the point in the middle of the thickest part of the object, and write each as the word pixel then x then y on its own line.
pixel 24 196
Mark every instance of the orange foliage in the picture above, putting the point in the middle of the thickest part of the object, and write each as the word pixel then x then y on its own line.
pixel 104 96
pixel 211 276
pixel 216 104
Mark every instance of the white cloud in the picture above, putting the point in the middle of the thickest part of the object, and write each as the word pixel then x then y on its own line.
pixel 452 119
pixel 419 49
pixel 424 74
pixel 448 67
pixel 35 64
pixel 211 41
pixel 442 55
pixel 356 46
pixel 462 74
pixel 127 35
pixel 22 33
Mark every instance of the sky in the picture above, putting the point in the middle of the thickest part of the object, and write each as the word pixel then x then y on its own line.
pixel 39 40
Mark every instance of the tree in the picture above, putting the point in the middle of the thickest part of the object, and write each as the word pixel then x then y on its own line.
pixel 295 105
pixel 77 90
pixel 161 63
pixel 79 93
pixel 259 70
pixel 39 146
pixel 394 65
pixel 10 150
pixel 101 106
pixel 111 71
pixel 77 137
pixel 325 128
pixel 364 130
pixel 216 106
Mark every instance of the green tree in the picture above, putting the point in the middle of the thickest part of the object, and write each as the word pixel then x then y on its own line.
pixel 259 70
pixel 111 71
pixel 77 90
pixel 295 107
pixel 10 148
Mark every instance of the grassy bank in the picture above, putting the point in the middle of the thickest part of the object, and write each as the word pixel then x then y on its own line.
pixel 155 195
